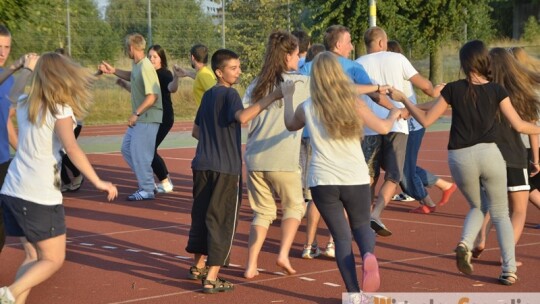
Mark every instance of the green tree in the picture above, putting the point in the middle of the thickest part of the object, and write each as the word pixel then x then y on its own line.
pixel 176 25
pixel 248 25
pixel 44 29
pixel 11 11
pixel 531 30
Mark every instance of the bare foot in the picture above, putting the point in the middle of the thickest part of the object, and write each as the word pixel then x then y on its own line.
pixel 250 274
pixel 286 266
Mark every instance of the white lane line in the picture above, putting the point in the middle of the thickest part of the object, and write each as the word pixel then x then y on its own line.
pixel 183 257
pixel 331 284
pixel 307 279
pixel 133 250
pixel 157 253
pixel 86 244
pixel 109 247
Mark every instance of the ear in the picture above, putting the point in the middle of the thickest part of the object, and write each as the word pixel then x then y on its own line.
pixel 219 73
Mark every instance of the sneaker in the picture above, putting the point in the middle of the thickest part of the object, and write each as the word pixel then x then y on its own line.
pixel 330 250
pixel 141 195
pixel 65 187
pixel 164 187
pixel 402 197
pixel 5 296
pixel 463 259
pixel 311 251
pixel 76 183
pixel 380 228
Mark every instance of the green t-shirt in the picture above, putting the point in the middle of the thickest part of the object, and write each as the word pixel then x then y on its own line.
pixel 144 81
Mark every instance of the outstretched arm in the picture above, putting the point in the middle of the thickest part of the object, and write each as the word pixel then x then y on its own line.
pixel 64 129
pixel 425 118
pixel 109 69
pixel 515 120
pixel 381 126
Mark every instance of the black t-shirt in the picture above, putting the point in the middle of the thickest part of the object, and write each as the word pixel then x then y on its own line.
pixel 511 146
pixel 165 77
pixel 219 147
pixel 473 121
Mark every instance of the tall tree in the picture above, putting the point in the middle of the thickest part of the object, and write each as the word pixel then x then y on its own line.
pixel 11 11
pixel 176 25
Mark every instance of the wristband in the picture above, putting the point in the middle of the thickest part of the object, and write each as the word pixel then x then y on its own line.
pixel 137 114
pixel 533 163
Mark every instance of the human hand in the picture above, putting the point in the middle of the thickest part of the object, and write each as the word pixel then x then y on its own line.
pixel 132 120
pixel 534 168
pixel 394 113
pixel 178 71
pixel 19 63
pixel 30 61
pixel 106 68
pixel 438 88
pixel 108 187
pixel 287 88
pixel 396 94
pixel 383 89
pixel 405 114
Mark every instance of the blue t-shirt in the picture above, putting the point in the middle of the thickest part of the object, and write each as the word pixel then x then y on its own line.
pixel 353 69
pixel 220 140
pixel 5 104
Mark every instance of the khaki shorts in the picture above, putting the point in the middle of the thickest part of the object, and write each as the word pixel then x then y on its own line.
pixel 261 186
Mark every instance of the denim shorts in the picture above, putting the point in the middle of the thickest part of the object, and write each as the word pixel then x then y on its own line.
pixel 387 152
pixel 34 221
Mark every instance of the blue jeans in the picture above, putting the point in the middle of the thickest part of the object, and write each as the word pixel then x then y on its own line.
pixel 415 179
pixel 138 150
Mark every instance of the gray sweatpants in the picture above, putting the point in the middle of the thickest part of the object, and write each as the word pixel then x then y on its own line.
pixel 474 168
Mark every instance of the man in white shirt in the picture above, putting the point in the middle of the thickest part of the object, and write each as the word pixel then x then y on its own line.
pixel 387 151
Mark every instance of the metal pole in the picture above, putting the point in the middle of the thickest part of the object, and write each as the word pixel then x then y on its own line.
pixel 149 22
pixel 288 15
pixel 68 25
pixel 223 23
pixel 372 13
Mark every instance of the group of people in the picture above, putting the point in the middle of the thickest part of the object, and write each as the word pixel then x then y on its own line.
pixel 356 119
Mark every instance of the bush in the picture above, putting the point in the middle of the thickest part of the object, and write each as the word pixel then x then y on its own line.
pixel 531 30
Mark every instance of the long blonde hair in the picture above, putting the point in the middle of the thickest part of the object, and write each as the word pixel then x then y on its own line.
pixel 525 59
pixel 334 98
pixel 58 81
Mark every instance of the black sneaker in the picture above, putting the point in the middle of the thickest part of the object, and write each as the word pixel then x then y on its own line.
pixel 380 228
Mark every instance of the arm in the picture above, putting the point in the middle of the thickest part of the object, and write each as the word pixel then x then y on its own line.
pixel 381 126
pixel 13 138
pixel 423 84
pixel 247 114
pixel 18 64
pixel 195 132
pixel 425 118
pixel 294 120
pixel 124 84
pixel 534 162
pixel 64 129
pixel 147 103
pixel 109 69
pixel 515 120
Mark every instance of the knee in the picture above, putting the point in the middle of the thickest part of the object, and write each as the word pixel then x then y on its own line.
pixel 295 212
pixel 263 220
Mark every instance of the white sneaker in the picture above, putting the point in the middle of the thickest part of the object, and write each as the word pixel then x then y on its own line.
pixel 311 251
pixel 402 197
pixel 330 250
pixel 165 187
pixel 5 296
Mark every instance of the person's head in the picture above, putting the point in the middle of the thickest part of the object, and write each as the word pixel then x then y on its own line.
pixel 304 41
pixel 281 55
pixel 337 39
pixel 375 40
pixel 518 81
pixel 394 46
pixel 57 81
pixel 60 51
pixel 334 98
pixel 226 66
pixel 157 56
pixel 199 55
pixel 135 45
pixel 5 44
pixel 314 50
pixel 525 59
pixel 474 59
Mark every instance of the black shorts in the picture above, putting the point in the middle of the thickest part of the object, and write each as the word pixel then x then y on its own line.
pixel 517 179
pixel 34 221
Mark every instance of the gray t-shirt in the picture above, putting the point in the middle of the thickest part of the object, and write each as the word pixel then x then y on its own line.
pixel 144 81
pixel 270 146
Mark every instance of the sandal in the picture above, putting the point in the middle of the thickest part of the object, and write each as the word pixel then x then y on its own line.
pixel 219 285
pixel 197 273
pixel 508 278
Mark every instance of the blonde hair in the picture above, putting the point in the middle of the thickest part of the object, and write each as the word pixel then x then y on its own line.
pixel 334 98
pixel 136 41
pixel 58 81
pixel 525 59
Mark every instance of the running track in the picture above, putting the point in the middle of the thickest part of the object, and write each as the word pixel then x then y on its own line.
pixel 125 252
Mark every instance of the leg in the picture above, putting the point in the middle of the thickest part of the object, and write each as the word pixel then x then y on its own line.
pixel 142 148
pixel 126 147
pixel 327 200
pixel 262 203
pixel 158 165
pixel 287 186
pixel 312 223
pixel 50 257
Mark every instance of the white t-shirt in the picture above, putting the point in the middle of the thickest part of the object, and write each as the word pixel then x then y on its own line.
pixel 34 172
pixel 270 146
pixel 393 69
pixel 333 162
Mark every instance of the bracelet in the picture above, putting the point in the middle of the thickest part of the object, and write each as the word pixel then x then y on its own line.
pixel 378 88
pixel 533 163
pixel 27 68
